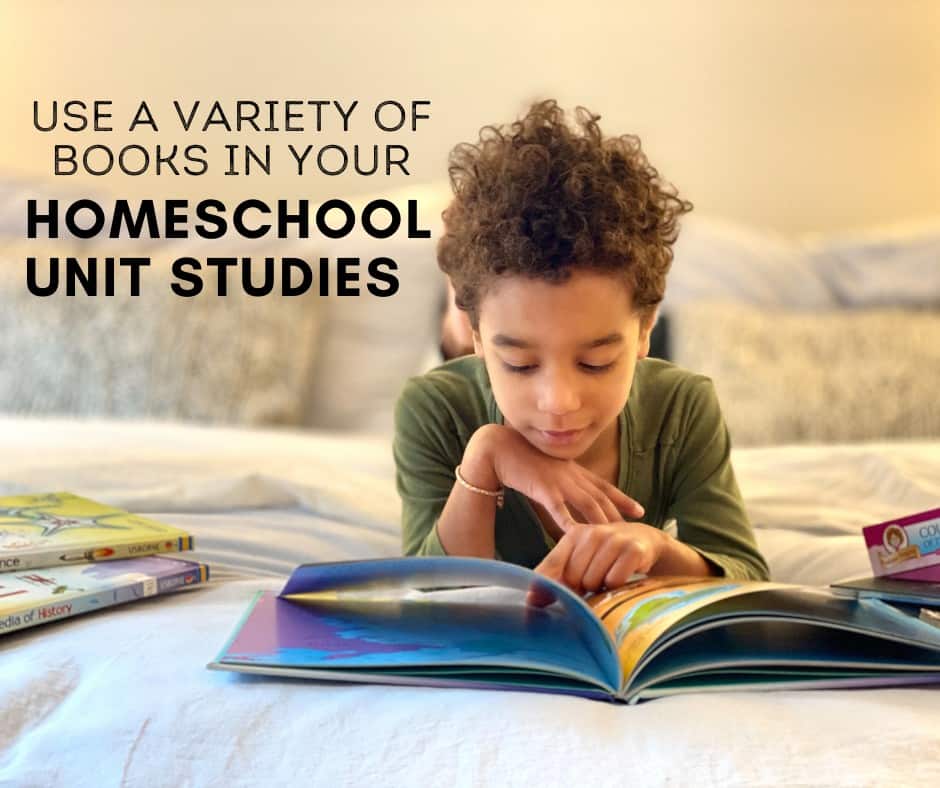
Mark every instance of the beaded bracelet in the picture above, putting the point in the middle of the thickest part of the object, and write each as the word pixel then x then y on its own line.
pixel 499 495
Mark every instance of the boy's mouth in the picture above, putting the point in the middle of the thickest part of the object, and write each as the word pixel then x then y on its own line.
pixel 560 437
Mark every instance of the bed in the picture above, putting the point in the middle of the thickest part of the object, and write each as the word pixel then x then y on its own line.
pixel 123 697
pixel 302 473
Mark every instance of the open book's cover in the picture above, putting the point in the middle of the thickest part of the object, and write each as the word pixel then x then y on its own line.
pixel 468 622
pixel 38 596
pixel 54 529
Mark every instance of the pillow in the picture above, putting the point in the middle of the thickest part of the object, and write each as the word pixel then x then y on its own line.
pixel 785 376
pixel 892 266
pixel 370 346
pixel 237 359
pixel 718 260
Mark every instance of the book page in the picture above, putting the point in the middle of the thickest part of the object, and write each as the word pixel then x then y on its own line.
pixel 474 601
pixel 637 614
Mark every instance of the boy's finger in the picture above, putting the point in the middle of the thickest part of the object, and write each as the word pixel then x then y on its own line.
pixel 553 565
pixel 623 502
pixel 587 500
pixel 621 572
pixel 561 514
pixel 539 596
pixel 602 509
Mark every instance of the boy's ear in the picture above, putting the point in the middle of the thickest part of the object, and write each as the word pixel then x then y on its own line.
pixel 647 321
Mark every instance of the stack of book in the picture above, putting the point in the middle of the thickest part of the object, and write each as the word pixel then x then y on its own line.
pixel 62 555
pixel 905 562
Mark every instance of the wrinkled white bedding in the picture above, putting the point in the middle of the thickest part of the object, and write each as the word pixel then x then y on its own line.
pixel 123 698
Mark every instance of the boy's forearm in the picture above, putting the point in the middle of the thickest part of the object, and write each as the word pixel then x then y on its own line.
pixel 680 559
pixel 466 525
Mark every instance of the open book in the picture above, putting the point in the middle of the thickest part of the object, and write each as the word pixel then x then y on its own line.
pixel 469 622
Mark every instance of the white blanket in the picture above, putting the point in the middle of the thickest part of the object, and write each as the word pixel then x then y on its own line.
pixel 122 697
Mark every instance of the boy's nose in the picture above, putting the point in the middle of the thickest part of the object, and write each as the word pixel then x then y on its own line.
pixel 558 396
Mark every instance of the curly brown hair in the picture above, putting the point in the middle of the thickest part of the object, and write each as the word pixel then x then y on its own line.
pixel 539 199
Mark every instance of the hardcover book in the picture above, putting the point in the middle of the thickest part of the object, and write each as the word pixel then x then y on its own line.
pixel 60 528
pixel 908 592
pixel 36 597
pixel 469 622
pixel 907 548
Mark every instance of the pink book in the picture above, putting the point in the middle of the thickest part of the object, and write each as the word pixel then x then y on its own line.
pixel 907 548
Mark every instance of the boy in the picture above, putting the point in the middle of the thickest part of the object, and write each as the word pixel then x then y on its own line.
pixel 558 445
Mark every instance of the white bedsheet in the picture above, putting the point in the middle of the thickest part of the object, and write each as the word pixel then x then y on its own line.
pixel 123 698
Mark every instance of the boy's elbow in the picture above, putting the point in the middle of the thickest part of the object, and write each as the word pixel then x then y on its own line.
pixel 430 545
pixel 756 569
pixel 750 568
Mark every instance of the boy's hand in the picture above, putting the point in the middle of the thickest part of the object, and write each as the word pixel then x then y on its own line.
pixel 558 485
pixel 592 557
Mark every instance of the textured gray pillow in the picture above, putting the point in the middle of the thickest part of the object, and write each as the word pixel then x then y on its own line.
pixel 785 376
pixel 237 359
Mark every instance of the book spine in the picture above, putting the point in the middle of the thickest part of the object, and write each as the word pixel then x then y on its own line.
pixel 65 556
pixel 45 612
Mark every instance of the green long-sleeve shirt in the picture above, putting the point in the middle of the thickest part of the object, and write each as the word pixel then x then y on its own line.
pixel 674 450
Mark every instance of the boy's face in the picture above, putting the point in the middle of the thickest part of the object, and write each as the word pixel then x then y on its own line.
pixel 561 358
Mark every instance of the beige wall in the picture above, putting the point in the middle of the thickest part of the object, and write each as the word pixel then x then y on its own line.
pixel 791 114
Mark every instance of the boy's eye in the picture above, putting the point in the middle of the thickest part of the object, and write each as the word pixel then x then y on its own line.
pixel 520 368
pixel 524 368
pixel 596 367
